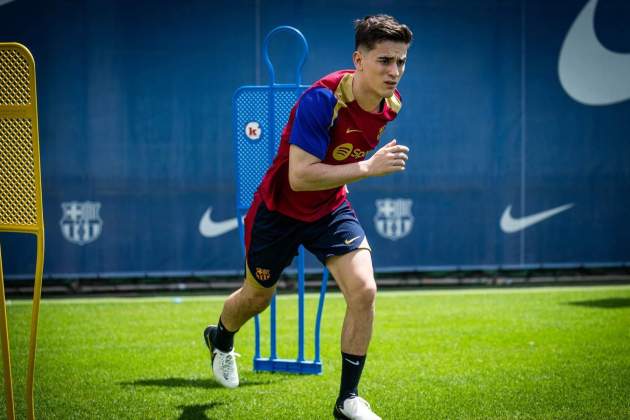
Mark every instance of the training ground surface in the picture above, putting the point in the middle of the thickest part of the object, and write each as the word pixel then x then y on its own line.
pixel 485 353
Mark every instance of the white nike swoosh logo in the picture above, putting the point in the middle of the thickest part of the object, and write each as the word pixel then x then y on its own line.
pixel 349 241
pixel 511 225
pixel 352 130
pixel 211 229
pixel 589 72
pixel 350 361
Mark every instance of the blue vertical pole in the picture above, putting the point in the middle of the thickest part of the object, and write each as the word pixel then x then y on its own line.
pixel 320 309
pixel 272 325
pixel 301 304
pixel 257 329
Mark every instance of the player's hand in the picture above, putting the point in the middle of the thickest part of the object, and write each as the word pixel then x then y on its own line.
pixel 388 159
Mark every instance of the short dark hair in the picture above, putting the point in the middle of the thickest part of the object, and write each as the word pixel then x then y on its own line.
pixel 373 29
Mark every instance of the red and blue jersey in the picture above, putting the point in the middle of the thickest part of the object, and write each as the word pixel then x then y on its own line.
pixel 328 123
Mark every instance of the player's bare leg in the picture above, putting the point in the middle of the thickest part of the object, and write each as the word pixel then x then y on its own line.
pixel 238 308
pixel 243 304
pixel 355 276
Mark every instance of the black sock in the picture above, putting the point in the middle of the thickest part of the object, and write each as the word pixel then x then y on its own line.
pixel 223 339
pixel 351 368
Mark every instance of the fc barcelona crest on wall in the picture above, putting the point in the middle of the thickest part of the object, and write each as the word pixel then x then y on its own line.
pixel 81 222
pixel 393 219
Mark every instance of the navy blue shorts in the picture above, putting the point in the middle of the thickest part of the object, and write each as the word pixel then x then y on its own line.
pixel 272 239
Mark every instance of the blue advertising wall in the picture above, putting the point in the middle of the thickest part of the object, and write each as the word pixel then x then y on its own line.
pixel 517 114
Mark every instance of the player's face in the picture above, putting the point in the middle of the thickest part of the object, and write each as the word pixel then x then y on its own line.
pixel 382 67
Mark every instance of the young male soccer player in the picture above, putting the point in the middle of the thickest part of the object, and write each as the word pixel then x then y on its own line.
pixel 302 200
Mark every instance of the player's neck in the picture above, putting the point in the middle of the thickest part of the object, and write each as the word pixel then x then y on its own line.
pixel 367 100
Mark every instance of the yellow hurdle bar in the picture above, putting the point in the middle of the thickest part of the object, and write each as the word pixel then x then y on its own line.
pixel 20 190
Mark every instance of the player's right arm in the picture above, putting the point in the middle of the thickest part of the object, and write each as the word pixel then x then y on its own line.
pixel 308 173
pixel 310 139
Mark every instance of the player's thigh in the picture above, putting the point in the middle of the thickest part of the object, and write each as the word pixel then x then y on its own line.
pixel 337 234
pixel 354 275
pixel 270 245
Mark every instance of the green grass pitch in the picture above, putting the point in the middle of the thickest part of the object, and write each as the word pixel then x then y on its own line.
pixel 554 352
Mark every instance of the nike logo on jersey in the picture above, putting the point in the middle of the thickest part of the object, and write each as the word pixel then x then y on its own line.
pixel 510 224
pixel 352 130
pixel 211 229
pixel 349 241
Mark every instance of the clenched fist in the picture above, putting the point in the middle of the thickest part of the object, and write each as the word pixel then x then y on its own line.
pixel 388 159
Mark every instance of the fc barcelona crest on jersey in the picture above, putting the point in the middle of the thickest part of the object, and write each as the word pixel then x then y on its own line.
pixel 81 222
pixel 393 219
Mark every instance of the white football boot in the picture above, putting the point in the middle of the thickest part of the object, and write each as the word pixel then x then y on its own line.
pixel 223 364
pixel 355 408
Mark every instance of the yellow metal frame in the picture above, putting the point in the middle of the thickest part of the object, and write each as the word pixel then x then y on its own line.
pixel 21 188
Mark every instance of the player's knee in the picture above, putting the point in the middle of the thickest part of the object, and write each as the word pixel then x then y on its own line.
pixel 363 297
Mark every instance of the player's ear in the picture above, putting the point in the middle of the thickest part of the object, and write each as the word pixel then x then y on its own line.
pixel 357 58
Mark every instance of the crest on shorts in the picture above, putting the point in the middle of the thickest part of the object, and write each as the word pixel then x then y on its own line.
pixel 81 222
pixel 263 274
pixel 393 219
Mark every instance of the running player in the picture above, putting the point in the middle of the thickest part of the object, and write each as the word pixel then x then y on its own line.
pixel 302 200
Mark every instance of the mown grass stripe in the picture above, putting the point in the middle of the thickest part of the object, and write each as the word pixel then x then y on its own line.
pixel 333 295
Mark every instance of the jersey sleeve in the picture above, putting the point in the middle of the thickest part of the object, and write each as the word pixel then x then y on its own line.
pixel 313 118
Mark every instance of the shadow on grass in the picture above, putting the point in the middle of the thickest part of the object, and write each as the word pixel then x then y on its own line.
pixel 610 303
pixel 198 411
pixel 205 383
